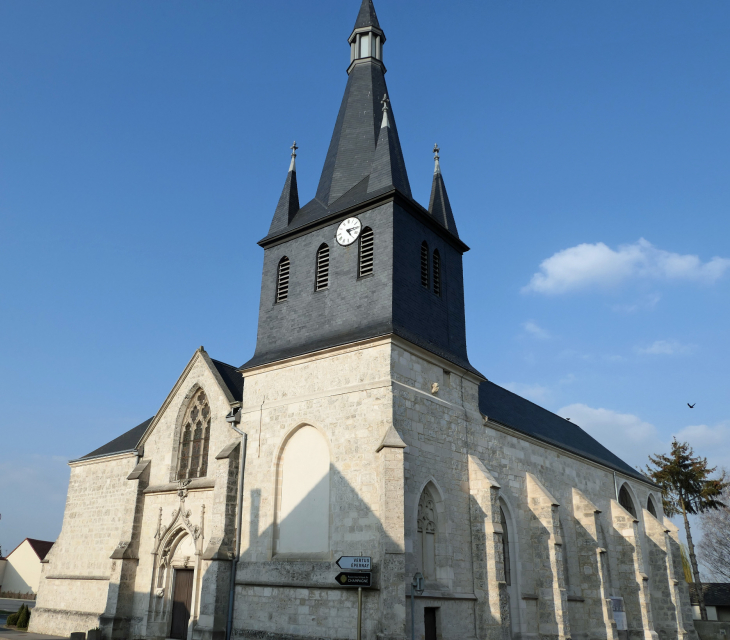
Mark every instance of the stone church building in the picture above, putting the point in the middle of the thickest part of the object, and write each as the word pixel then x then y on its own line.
pixel 368 432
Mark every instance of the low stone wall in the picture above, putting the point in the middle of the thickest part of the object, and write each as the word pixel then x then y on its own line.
pixel 60 622
pixel 707 630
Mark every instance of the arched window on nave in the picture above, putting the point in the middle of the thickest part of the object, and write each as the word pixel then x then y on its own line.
pixel 650 507
pixel 624 499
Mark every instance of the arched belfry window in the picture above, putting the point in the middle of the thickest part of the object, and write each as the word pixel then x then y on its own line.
pixel 424 265
pixel 650 507
pixel 282 280
pixel 323 268
pixel 437 272
pixel 427 534
pixel 367 245
pixel 194 439
pixel 624 499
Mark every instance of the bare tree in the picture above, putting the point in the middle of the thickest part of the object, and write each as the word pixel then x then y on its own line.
pixel 714 548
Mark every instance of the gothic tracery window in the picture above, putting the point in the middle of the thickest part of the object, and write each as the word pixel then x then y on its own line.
pixel 427 534
pixel 194 439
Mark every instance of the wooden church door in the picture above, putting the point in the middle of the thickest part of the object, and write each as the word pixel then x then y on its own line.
pixel 181 600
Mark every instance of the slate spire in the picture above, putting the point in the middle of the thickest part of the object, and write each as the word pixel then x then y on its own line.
pixel 388 168
pixel 357 128
pixel 439 206
pixel 367 16
pixel 289 200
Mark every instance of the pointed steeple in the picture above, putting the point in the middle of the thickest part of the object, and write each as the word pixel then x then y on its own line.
pixel 367 16
pixel 388 168
pixel 351 149
pixel 439 206
pixel 289 200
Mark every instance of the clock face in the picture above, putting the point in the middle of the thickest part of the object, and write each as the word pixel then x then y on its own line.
pixel 348 231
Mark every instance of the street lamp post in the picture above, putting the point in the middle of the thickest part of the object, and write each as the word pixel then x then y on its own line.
pixel 416 588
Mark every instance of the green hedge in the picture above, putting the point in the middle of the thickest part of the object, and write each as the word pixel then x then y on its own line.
pixel 23 617
pixel 20 618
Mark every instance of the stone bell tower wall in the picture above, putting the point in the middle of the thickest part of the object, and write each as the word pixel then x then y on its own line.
pixel 344 397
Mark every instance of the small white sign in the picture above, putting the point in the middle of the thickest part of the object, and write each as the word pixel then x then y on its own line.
pixel 358 563
pixel 619 614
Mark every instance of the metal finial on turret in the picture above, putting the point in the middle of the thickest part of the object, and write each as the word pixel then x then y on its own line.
pixel 385 101
pixel 436 156
pixel 292 166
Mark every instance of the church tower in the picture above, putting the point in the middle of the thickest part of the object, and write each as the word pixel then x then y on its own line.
pixel 360 355
pixel 362 259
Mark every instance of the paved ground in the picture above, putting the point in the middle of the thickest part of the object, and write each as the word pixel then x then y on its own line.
pixel 17 635
pixel 11 604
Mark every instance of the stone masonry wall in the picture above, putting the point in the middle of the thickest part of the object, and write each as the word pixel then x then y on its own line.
pixel 74 587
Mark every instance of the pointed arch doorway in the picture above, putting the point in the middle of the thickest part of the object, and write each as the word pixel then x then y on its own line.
pixel 182 600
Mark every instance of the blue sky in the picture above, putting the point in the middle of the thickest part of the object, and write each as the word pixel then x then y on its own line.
pixel 145 144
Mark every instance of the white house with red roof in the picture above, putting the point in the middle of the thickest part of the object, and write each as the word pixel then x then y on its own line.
pixel 20 571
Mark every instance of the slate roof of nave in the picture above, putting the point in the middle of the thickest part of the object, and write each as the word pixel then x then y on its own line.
pixel 514 412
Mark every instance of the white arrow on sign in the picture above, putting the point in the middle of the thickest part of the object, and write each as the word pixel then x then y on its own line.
pixel 361 563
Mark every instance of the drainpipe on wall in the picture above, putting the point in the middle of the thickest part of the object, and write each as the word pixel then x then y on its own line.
pixel 233 418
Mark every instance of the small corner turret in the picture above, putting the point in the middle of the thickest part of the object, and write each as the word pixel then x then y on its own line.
pixel 389 169
pixel 439 206
pixel 289 200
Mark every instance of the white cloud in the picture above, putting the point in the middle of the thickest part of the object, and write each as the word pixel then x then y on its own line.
pixel 536 331
pixel 647 302
pixel 634 440
pixel 666 348
pixel 598 266
pixel 624 434
pixel 535 392
pixel 710 442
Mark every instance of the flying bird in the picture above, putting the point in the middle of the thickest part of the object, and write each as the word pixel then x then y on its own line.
pixel 691 406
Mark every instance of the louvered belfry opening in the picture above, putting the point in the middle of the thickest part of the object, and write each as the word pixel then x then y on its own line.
pixel 194 439
pixel 365 265
pixel 323 268
pixel 424 264
pixel 282 280
pixel 436 273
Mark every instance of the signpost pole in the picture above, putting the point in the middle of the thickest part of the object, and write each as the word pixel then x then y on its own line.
pixel 359 613
pixel 413 612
